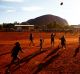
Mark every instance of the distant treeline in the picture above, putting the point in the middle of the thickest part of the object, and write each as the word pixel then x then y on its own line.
pixel 9 27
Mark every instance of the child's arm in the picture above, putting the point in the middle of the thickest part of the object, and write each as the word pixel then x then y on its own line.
pixel 21 49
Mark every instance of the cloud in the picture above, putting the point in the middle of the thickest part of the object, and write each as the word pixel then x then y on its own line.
pixel 12 0
pixel 10 11
pixel 32 8
pixel 4 8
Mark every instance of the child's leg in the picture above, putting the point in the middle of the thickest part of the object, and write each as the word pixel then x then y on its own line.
pixel 30 43
pixel 33 42
pixel 18 60
pixel 13 59
pixel 40 46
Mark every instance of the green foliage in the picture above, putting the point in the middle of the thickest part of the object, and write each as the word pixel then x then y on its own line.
pixel 9 25
pixel 54 25
pixel 50 26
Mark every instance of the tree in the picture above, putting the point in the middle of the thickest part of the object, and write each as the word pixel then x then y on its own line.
pixel 50 26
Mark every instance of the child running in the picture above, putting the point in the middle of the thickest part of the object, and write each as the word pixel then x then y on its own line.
pixel 15 52
pixel 31 39
pixel 52 39
pixel 63 42
pixel 41 43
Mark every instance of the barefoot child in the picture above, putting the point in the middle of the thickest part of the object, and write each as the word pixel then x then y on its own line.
pixel 41 43
pixel 15 52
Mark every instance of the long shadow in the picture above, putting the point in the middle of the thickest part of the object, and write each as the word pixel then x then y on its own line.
pixel 76 51
pixel 5 53
pixel 26 59
pixel 52 52
pixel 43 65
pixel 30 56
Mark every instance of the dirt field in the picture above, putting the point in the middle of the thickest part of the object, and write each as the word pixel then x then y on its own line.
pixel 50 60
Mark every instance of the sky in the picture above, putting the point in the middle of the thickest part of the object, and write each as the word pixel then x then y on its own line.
pixel 23 10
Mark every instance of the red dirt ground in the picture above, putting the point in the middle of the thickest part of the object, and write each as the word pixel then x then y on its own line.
pixel 32 61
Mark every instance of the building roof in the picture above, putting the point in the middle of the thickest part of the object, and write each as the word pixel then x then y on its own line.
pixel 24 25
pixel 76 26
